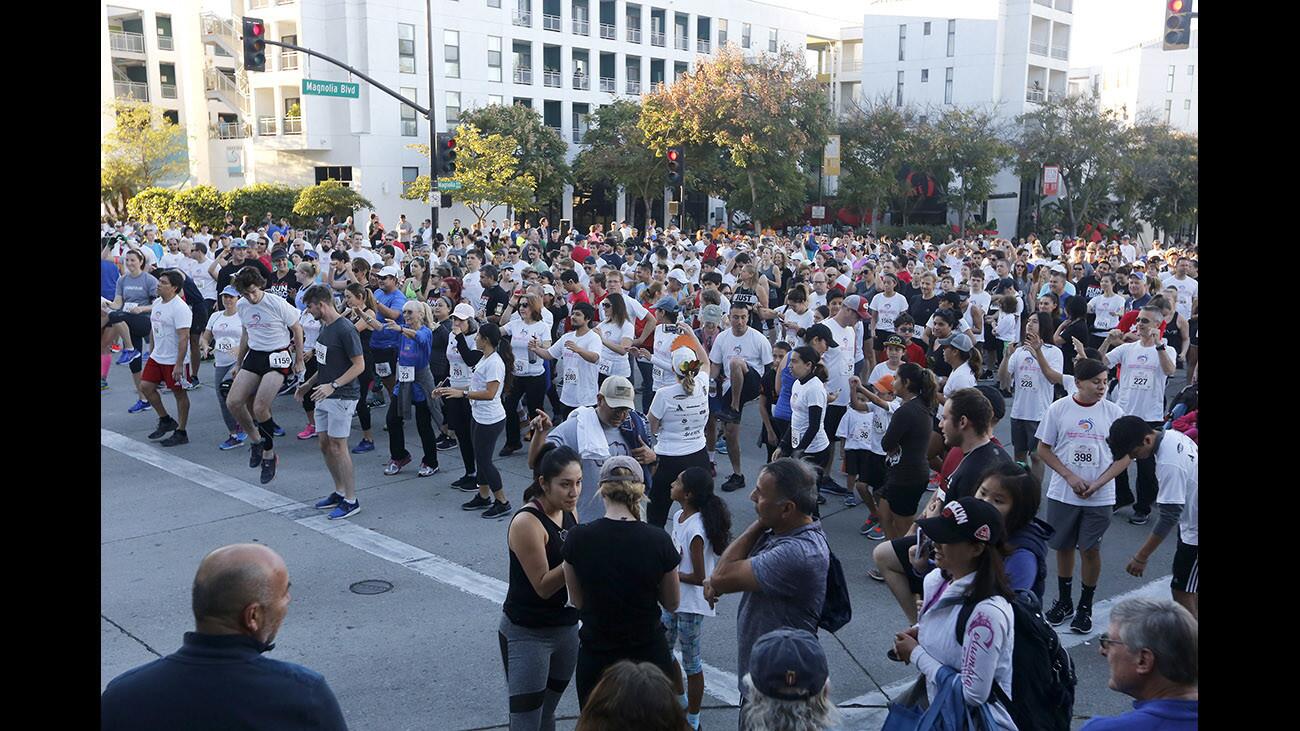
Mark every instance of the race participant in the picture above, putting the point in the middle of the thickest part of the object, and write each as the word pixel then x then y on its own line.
pixel 794 316
pixel 1144 368
pixel 492 373
pixel 1032 372
pixel 862 429
pixel 967 423
pixel 1176 325
pixel 129 316
pixel 744 352
pixel 1107 308
pixel 306 276
pixel 462 354
pixel 923 306
pixel 616 331
pixel 1017 496
pixel 770 395
pixel 807 436
pixel 1178 475
pixel 906 442
pixel 232 259
pixel 415 384
pixel 359 303
pixel 222 336
pixel 530 371
pixel 170 319
pixel 335 394
pixel 890 359
pixel 494 300
pixel 846 326
pixel 914 347
pixel 383 344
pixel 677 418
pixel 1081 493
pixel 960 353
pixel 578 352
pixel 271 349
pixel 885 307
pixel 1188 290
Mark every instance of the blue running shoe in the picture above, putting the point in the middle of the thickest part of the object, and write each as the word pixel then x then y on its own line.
pixel 329 502
pixel 127 356
pixel 345 510
pixel 365 445
pixel 230 443
pixel 140 405
pixel 278 431
pixel 721 446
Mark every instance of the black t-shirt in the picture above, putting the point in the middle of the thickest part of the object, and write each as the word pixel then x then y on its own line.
pixel 1001 286
pixel 1088 287
pixel 286 286
pixel 1076 329
pixel 494 300
pixel 619 564
pixel 922 310
pixel 965 480
pixel 226 272
pixel 909 431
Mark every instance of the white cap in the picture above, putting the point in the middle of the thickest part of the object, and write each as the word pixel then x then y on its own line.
pixel 391 271
pixel 679 275
pixel 548 289
pixel 683 356
pixel 463 312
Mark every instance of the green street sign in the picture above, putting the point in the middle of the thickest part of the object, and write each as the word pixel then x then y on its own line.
pixel 446 184
pixel 331 88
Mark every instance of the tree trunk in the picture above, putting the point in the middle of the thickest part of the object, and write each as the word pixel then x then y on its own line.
pixel 1069 202
pixel 753 195
pixel 962 225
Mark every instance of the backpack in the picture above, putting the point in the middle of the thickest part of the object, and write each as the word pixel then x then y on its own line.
pixel 837 610
pixel 1043 700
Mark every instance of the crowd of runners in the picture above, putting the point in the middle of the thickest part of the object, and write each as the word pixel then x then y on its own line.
pixel 624 361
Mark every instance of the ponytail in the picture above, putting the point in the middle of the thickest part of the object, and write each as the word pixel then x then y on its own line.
pixel 551 461
pixel 919 381
pixel 713 511
pixel 976 360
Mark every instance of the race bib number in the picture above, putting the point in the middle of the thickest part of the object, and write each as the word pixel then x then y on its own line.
pixel 384 369
pixel 605 367
pixel 658 374
pixel 1025 383
pixel 281 359
pixel 1084 457
pixel 458 371
pixel 570 377
pixel 520 366
pixel 405 374
pixel 1139 379
pixel 321 352
pixel 226 345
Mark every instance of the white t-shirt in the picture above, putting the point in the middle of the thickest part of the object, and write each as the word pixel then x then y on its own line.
pixel 1178 475
pixel 804 396
pixel 886 309
pixel 172 260
pixel 367 254
pixel 855 430
pixel 839 361
pixel 681 417
pixel 1007 328
pixel 881 370
pixel 1077 436
pixel 577 376
pixel 1128 251
pixel 226 331
pixel 961 377
pixel 198 271
pixel 683 533
pixel 1108 310
pixel 166 318
pixel 267 322
pixel 520 335
pixel 1033 392
pixel 752 347
pixel 804 321
pixel 661 357
pixel 1187 289
pixel 459 377
pixel 981 300
pixel 488 370
pixel 880 418
pixel 1141 390
pixel 472 289
pixel 611 363
pixel 310 331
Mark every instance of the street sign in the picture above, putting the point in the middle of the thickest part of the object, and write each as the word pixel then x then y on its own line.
pixel 317 87
pixel 819 212
pixel 446 184
pixel 1051 179
pixel 831 156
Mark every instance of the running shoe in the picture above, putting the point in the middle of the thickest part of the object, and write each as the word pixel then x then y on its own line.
pixel 868 524
pixel 498 510
pixel 278 431
pixel 365 445
pixel 821 499
pixel 290 383
pixel 165 425
pixel 851 501
pixel 103 385
pixel 734 483
pixel 478 503
pixel 230 443
pixel 1082 623
pixel 1120 505
pixel 396 465
pixel 192 385
pixel 345 509
pixel 720 447
pixel 727 414
pixel 1062 610
pixel 127 356
pixel 875 574
pixel 1140 518
pixel 444 443
pixel 308 432
pixel 468 483
pixel 255 455
pixel 138 406
pixel 877 533
pixel 375 402
pixel 268 468
pixel 509 449
pixel 177 438
pixel 329 502
pixel 427 471
pixel 831 486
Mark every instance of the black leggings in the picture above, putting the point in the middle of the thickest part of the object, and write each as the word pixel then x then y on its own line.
pixel 485 438
pixel 534 389
pixel 308 405
pixel 455 412
pixel 366 378
pixel 661 484
pixel 423 424
pixel 139 326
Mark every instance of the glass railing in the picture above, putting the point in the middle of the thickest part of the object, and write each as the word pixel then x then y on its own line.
pixel 266 126
pixel 581 82
pixel 581 27
pixel 551 78
pixel 608 31
pixel 1038 48
pixel 702 46
pixel 523 18
pixel 168 91
pixel 682 42
pixel 634 87
pixel 230 131
pixel 658 39
pixel 523 76
pixel 633 35
pixel 131 90
pixel 293 125
pixel 123 41
pixel 608 85
pixel 551 22
pixel 166 43
pixel 288 60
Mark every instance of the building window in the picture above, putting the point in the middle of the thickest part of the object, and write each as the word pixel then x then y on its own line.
pixel 722 32
pixel 494 3
pixel 496 99
pixel 1187 105
pixel 947 85
pixel 902 41
pixel 1169 85
pixel 172 116
pixel 925 29
pixel 744 35
pixel 408 176
pixel 925 75
pixel 410 123
pixel 406 48
pixel 453 109
pixel 898 100
pixel 1169 107
pixel 451 54
pixel 771 40
pixel 494 58
pixel 952 37
pixel 1191 69
pixel 342 174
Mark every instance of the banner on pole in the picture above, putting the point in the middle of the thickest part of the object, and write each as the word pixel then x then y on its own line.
pixel 1051 179
pixel 831 158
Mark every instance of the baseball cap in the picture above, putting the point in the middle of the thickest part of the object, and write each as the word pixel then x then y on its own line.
pixel 631 465
pixel 711 313
pixel 1058 268
pixel 895 341
pixel 252 238
pixel 682 357
pixel 966 520
pixel 679 275
pixel 390 271
pixel 231 291
pixel 960 341
pixel 667 304
pixel 618 393
pixel 996 400
pixel 820 331
pixel 548 289
pixel 885 383
pixel 858 305
pixel 279 254
pixel 238 244
pixel 463 312
pixel 789 663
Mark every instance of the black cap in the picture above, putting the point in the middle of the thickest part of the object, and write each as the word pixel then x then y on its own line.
pixel 996 400
pixel 820 331
pixel 968 520
pixel 788 663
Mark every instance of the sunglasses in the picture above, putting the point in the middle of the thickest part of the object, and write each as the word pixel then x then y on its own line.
pixel 1144 320
pixel 1105 641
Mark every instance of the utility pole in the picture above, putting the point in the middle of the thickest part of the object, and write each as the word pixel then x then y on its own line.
pixel 435 196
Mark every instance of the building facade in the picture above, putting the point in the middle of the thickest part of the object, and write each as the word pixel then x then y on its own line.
pixel 1147 81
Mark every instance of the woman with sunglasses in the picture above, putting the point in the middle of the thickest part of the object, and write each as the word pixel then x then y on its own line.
pixel 678 415
pixel 616 331
pixel 529 370
pixel 415 385
pixel 418 279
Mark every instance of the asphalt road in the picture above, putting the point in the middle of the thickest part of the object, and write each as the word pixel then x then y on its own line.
pixel 424 654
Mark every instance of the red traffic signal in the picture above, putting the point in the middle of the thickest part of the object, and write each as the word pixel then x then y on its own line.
pixel 254 44
pixel 1176 5
pixel 257 28
pixel 449 143
pixel 673 155
pixel 1178 25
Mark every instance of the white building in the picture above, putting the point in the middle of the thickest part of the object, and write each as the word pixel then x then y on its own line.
pixel 1147 80
pixel 563 58
pixel 1005 56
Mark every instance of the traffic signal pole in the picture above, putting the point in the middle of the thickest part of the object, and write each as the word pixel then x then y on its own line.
pixel 435 204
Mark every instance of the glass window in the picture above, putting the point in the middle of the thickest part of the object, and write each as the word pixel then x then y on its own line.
pixel 898 101
pixel 744 35
pixel 722 32
pixel 408 176
pixel 1187 105
pixel 771 40
pixel 902 40
pixel 952 37
pixel 1169 106
pixel 496 99
pixel 406 48
pixel 947 85
pixel 453 109
pixel 410 122
pixel 494 58
pixel 925 75
pixel 1169 86
pixel 451 54
pixel 1191 69
pixel 925 30
pixel 494 3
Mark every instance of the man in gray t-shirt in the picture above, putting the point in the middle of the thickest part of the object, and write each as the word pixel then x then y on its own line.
pixel 779 563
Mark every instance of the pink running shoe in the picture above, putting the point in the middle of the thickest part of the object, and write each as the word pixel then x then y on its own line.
pixel 308 432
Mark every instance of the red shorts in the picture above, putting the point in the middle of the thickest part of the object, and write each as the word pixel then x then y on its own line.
pixel 155 372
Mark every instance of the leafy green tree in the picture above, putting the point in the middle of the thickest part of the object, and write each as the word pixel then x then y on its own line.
pixel 488 171
pixel 153 205
pixel 616 154
pixel 255 201
pixel 970 148
pixel 539 149
pixel 764 114
pixel 876 138
pixel 141 150
pixel 1171 201
pixel 329 198
pixel 199 206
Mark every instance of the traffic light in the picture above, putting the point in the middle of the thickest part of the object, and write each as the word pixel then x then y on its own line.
pixel 1178 24
pixel 445 202
pixel 254 44
pixel 444 158
pixel 676 166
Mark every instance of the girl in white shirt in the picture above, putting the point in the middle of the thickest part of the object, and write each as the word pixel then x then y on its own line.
pixel 808 409
pixel 616 331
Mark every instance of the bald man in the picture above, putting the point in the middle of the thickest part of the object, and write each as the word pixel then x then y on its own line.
pixel 218 679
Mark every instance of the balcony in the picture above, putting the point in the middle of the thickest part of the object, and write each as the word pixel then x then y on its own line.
pixel 166 43
pixel 522 18
pixel 258 4
pixel 1061 54
pixel 1035 95
pixel 285 2
pixel 131 90
pixel 558 131
pixel 609 32
pixel 168 91
pixel 266 126
pixel 123 41
pixel 581 27
pixel 551 22
pixel 577 136
pixel 850 67
pixel 634 87
pixel 703 46
pixel 608 85
pixel 293 125
pixel 523 76
pixel 551 78
pixel 682 43
pixel 1038 48
pixel 633 35
pixel 288 60
pixel 582 82
pixel 658 39
pixel 230 131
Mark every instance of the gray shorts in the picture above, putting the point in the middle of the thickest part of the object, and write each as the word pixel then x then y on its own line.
pixel 1080 526
pixel 1022 436
pixel 334 416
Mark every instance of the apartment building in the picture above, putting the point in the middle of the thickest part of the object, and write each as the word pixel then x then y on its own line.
pixel 1149 81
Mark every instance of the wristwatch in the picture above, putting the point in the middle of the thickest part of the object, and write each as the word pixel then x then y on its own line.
pixel 334 385
pixel 1160 348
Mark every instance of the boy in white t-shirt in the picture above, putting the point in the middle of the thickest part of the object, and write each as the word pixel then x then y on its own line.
pixel 862 428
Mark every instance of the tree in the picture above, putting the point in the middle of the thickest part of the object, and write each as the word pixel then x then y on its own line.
pixel 329 198
pixel 1084 140
pixel 488 170
pixel 141 150
pixel 764 114
pixel 876 139
pixel 616 154
pixel 970 149
pixel 153 205
pixel 199 206
pixel 255 201
pixel 1172 197
pixel 539 149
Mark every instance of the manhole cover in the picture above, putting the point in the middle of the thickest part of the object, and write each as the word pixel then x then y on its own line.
pixel 371 586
